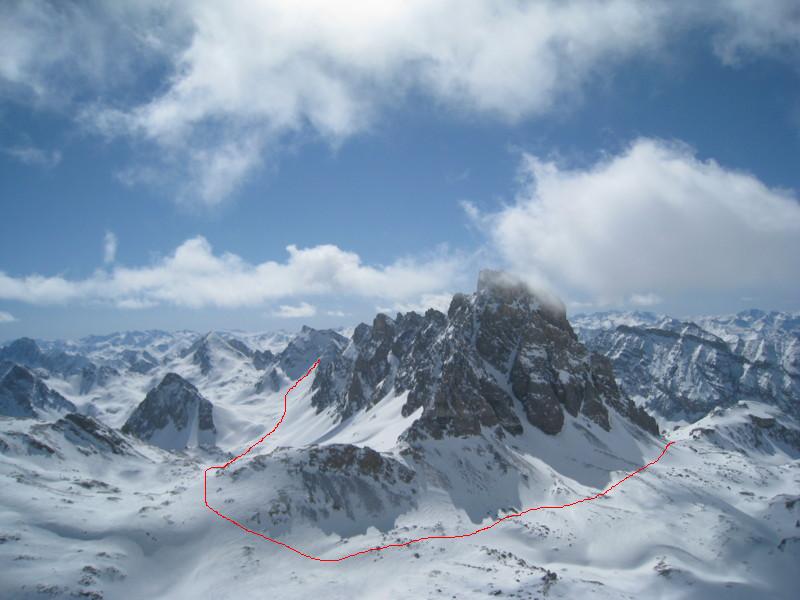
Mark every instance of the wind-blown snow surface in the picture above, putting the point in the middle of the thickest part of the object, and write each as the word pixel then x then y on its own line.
pixel 88 510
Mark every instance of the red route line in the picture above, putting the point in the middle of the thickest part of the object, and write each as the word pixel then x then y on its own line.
pixel 398 545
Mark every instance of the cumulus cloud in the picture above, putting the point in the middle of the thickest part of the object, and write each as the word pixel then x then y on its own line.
pixel 194 276
pixel 109 247
pixel 288 311
pixel 242 79
pixel 648 223
pixel 6 317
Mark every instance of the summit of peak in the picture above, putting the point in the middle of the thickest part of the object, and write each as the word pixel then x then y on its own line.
pixel 506 288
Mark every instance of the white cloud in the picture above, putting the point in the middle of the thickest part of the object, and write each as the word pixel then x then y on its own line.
pixel 54 51
pixel 287 311
pixel 256 72
pixel 193 276
pixel 746 28
pixel 336 313
pixel 653 218
pixel 109 247
pixel 32 156
pixel 6 317
pixel 242 79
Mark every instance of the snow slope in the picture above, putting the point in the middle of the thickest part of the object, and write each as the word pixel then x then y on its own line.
pixel 89 511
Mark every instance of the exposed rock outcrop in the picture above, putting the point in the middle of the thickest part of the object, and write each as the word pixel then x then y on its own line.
pixel 498 355
pixel 174 415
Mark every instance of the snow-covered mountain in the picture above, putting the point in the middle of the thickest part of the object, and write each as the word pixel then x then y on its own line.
pixel 681 369
pixel 413 425
pixel 23 394
pixel 768 337
pixel 173 415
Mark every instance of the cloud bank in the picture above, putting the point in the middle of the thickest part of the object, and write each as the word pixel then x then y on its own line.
pixel 193 276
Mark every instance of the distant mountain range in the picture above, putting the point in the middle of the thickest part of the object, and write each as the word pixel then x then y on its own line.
pixel 682 369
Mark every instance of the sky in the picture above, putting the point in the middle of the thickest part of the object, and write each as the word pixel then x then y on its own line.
pixel 263 165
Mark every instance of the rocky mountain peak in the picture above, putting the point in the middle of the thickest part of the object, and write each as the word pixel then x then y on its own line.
pixel 308 346
pixel 23 394
pixel 23 350
pixel 499 353
pixel 173 415
pixel 212 350
pixel 504 289
pixel 300 353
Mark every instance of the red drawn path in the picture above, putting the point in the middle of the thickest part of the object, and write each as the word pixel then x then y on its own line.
pixel 398 545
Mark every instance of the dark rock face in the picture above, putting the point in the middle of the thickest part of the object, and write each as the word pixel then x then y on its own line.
pixel 201 356
pixel 346 458
pixel 90 435
pixel 498 354
pixel 272 381
pixel 23 394
pixel 173 415
pixel 93 375
pixel 309 345
pixel 262 359
pixel 605 381
pixel 240 346
pixel 139 361
pixel 283 369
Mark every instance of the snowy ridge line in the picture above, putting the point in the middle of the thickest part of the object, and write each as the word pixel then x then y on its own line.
pixel 402 544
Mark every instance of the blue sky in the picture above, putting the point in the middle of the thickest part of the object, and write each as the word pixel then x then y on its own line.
pixel 653 168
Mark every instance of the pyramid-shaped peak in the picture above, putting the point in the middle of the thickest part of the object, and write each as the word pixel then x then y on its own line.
pixel 173 415
pixel 24 350
pixel 213 337
pixel 173 379
pixel 25 343
pixel 18 373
